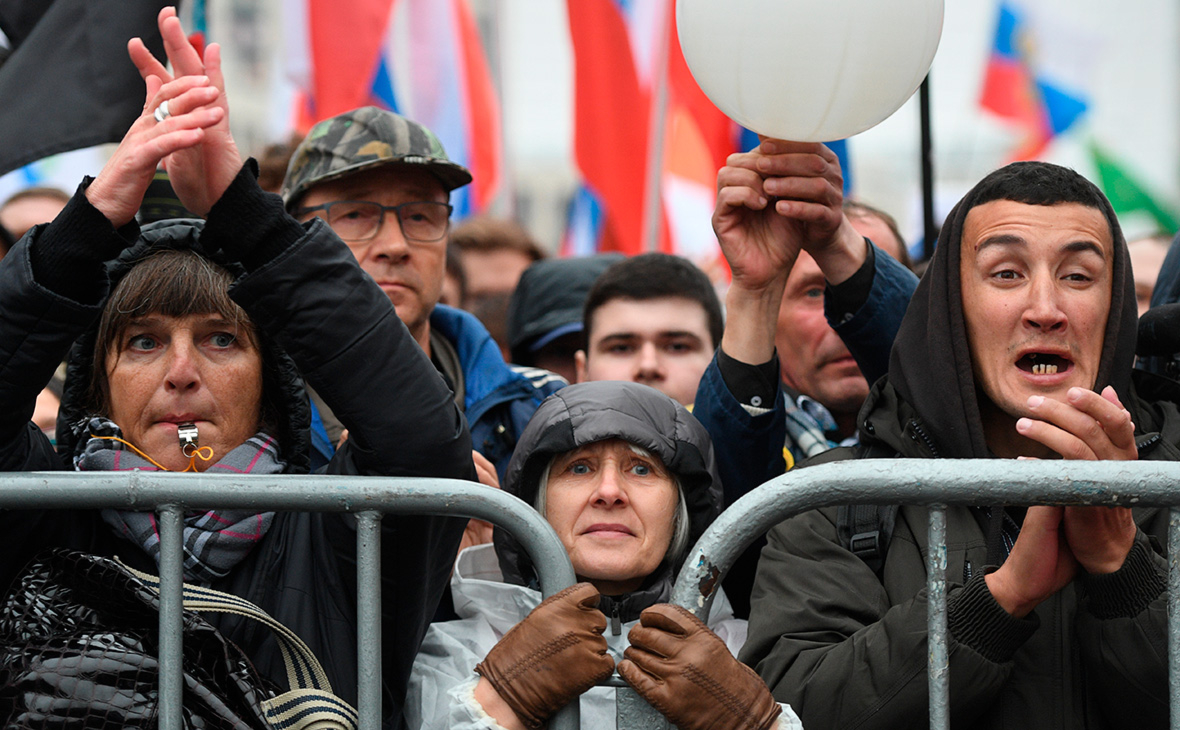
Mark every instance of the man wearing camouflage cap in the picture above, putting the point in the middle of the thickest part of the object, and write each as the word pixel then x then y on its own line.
pixel 382 182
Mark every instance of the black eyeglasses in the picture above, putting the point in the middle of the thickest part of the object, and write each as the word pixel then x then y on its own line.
pixel 359 220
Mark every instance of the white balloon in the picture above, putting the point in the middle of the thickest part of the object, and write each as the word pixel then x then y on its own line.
pixel 809 70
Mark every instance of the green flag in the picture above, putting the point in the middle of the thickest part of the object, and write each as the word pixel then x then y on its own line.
pixel 1126 194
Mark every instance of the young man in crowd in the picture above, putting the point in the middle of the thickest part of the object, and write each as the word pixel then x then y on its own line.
pixel 653 319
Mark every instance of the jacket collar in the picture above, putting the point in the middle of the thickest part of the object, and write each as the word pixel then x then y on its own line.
pixel 484 371
pixel 479 590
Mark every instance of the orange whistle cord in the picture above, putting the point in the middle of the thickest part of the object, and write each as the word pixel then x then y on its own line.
pixel 192 461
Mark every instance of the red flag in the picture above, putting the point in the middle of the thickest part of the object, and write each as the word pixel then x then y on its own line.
pixel 623 52
pixel 611 120
pixel 345 39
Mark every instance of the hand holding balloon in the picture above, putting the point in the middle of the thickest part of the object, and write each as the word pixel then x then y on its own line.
pixel 776 200
pixel 809 70
pixel 773 202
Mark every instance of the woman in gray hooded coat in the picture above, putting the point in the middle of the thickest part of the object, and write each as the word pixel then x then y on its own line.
pixel 625 476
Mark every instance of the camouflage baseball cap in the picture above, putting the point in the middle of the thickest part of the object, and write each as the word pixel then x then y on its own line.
pixel 361 139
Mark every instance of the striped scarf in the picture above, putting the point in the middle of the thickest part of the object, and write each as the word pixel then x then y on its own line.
pixel 214 541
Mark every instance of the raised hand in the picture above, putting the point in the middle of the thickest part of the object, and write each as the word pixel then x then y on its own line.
pixel 118 190
pixel 772 202
pixel 759 244
pixel 778 199
pixel 1086 426
pixel 687 673
pixel 200 173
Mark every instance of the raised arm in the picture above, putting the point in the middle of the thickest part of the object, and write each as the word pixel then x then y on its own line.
pixel 53 284
pixel 772 202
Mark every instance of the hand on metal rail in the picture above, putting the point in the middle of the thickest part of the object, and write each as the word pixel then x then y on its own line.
pixel 685 671
pixel 550 658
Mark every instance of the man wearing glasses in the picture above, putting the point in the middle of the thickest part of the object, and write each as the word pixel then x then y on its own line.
pixel 382 182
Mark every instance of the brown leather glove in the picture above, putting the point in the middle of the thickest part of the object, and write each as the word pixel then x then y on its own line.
pixel 683 670
pixel 551 657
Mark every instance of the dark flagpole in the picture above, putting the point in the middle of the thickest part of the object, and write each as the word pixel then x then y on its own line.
pixel 928 230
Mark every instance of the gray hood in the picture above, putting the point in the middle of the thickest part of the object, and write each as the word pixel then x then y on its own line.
pixel 589 412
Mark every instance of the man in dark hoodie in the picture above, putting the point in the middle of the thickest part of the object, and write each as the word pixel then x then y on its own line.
pixel 1018 343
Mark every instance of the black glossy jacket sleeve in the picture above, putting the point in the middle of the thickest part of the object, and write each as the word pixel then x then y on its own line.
pixel 305 289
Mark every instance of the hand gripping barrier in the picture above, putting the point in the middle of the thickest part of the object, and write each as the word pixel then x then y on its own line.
pixel 172 495
pixel 936 483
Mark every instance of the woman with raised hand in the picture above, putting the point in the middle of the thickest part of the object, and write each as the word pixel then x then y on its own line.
pixel 194 338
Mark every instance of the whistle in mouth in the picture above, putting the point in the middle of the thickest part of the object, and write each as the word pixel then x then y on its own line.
pixel 186 433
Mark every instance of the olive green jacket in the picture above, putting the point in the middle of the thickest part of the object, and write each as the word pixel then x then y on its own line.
pixel 849 650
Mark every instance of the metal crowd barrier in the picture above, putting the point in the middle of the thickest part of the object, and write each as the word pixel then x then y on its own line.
pixel 172 495
pixel 937 483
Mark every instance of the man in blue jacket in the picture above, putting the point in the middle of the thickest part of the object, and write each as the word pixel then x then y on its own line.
pixel 382 182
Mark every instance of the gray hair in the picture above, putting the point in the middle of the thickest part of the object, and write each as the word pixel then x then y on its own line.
pixel 679 542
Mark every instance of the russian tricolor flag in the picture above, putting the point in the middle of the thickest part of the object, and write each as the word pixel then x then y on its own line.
pixel 420 58
pixel 1035 76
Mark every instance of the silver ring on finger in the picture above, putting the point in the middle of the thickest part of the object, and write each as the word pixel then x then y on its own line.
pixel 161 112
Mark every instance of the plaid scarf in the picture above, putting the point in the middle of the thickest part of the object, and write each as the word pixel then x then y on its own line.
pixel 214 541
pixel 808 427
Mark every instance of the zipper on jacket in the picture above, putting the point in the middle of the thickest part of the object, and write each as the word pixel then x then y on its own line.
pixel 1149 442
pixel 616 622
pixel 921 433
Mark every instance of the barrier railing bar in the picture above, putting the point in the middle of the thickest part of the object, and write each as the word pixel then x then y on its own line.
pixel 171 523
pixel 910 482
pixel 938 662
pixel 1174 615
pixel 368 618
pixel 174 494
pixel 915 482
pixel 941 482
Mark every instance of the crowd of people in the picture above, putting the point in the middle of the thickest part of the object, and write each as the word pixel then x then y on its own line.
pixel 306 331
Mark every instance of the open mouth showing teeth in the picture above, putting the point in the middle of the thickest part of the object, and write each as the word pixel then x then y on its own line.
pixel 1042 363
